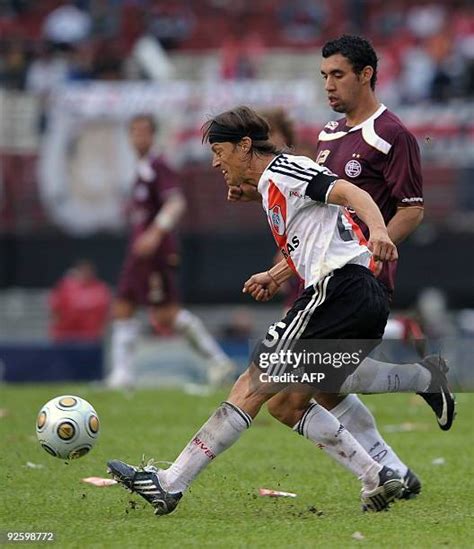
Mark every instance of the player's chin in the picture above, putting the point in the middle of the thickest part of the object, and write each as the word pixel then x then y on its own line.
pixel 338 107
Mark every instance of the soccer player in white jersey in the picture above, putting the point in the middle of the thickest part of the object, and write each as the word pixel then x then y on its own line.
pixel 342 299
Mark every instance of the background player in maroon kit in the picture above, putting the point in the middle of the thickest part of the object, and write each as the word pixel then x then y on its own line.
pixel 371 148
pixel 148 276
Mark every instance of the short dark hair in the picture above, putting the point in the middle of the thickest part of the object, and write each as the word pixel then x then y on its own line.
pixel 357 50
pixel 242 121
pixel 145 117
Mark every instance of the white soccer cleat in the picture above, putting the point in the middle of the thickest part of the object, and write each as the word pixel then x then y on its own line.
pixel 390 487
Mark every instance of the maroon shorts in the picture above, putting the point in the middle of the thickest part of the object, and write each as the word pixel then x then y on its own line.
pixel 148 281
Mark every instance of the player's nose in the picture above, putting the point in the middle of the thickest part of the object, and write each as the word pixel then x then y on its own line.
pixel 329 84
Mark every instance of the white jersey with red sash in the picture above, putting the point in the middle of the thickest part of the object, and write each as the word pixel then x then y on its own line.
pixel 315 237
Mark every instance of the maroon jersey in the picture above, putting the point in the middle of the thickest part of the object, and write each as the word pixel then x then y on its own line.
pixel 154 181
pixel 380 156
pixel 151 279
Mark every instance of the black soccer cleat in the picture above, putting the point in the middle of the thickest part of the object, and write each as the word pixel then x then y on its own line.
pixel 412 485
pixel 390 488
pixel 144 482
pixel 438 394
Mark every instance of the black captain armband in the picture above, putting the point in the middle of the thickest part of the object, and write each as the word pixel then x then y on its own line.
pixel 318 188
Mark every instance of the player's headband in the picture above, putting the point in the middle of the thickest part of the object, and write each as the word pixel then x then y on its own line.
pixel 219 133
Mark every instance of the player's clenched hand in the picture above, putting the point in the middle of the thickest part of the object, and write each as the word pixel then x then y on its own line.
pixel 261 286
pixel 148 242
pixel 234 194
pixel 382 248
pixel 242 193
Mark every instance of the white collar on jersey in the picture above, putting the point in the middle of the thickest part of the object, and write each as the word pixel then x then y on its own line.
pixel 368 132
pixel 261 179
pixel 144 168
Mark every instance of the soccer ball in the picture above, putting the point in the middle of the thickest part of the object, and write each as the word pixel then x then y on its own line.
pixel 67 427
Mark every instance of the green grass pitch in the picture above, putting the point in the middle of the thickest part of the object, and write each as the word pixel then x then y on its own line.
pixel 222 508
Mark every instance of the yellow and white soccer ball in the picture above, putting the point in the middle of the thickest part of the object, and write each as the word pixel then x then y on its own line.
pixel 67 427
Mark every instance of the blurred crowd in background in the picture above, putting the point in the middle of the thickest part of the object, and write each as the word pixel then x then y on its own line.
pixel 427 47
pixel 82 68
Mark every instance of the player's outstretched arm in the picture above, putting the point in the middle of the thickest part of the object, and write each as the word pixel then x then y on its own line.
pixel 344 193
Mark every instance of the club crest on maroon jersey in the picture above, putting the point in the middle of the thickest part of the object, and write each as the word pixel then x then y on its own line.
pixel 353 168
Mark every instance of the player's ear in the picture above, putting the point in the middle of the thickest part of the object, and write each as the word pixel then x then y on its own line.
pixel 367 73
pixel 245 144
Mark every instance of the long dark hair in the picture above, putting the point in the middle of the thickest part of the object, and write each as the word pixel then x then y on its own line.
pixel 237 123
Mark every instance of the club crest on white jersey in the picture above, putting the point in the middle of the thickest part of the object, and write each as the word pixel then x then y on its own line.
pixel 277 221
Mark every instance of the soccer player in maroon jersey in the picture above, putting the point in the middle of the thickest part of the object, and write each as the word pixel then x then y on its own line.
pixel 372 149
pixel 148 275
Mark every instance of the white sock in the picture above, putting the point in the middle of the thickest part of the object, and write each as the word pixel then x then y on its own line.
pixel 195 332
pixel 123 339
pixel 320 426
pixel 220 431
pixel 394 329
pixel 374 376
pixel 358 420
